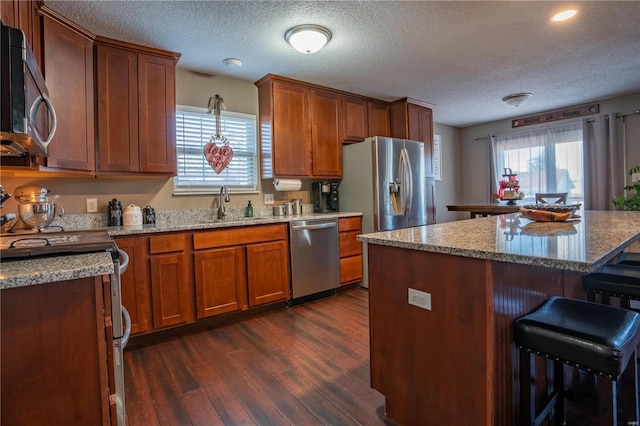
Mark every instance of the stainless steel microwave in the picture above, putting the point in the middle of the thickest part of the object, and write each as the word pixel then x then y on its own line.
pixel 28 120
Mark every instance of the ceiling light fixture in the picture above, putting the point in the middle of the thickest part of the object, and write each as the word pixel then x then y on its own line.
pixel 308 38
pixel 232 62
pixel 564 15
pixel 517 99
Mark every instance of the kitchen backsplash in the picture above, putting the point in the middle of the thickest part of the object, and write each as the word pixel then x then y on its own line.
pixel 167 217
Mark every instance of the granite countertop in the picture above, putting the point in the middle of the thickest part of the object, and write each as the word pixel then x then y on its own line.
pixel 580 245
pixel 19 273
pixel 198 222
pixel 22 272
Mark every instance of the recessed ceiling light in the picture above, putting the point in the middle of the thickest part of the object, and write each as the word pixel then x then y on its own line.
pixel 564 15
pixel 308 38
pixel 232 62
pixel 517 99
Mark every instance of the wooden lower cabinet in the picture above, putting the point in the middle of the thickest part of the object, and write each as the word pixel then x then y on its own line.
pixel 350 249
pixel 239 268
pixel 54 368
pixel 171 283
pixel 220 281
pixel 268 272
pixel 135 286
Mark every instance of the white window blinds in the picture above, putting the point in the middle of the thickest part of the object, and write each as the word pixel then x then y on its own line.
pixel 194 128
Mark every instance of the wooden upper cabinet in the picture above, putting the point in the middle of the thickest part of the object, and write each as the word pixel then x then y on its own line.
pixel 378 113
pixel 290 143
pixel 325 134
pixel 157 114
pixel 68 64
pixel 354 118
pixel 136 108
pixel 117 91
pixel 299 129
pixel 413 119
pixel 25 15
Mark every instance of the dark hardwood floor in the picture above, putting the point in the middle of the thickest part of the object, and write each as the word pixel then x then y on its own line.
pixel 303 365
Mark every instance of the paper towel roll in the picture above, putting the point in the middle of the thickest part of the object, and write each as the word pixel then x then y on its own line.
pixel 287 184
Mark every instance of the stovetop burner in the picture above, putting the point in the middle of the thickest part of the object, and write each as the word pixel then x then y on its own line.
pixel 55 243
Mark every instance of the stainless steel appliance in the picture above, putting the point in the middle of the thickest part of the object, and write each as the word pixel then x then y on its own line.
pixel 28 120
pixel 384 178
pixel 325 197
pixel 315 257
pixel 76 242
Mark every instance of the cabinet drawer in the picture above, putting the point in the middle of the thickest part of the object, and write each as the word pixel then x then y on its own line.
pixel 167 243
pixel 350 269
pixel 349 245
pixel 349 224
pixel 239 236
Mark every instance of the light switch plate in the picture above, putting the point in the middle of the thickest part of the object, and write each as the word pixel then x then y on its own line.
pixel 268 198
pixel 420 299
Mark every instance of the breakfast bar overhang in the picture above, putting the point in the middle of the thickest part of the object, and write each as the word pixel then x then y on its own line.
pixel 455 363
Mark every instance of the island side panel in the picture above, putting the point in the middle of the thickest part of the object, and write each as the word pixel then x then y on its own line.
pixel 518 290
pixel 461 353
pixel 430 363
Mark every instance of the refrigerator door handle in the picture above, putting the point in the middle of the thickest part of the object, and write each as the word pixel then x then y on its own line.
pixel 407 177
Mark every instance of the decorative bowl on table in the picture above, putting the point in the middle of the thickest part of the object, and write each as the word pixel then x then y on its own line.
pixel 549 212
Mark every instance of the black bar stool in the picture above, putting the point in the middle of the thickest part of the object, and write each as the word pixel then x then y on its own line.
pixel 590 336
pixel 616 280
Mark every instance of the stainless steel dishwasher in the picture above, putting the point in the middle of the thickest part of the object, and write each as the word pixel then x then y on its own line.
pixel 315 257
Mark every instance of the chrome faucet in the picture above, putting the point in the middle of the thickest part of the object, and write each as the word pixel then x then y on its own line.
pixel 224 198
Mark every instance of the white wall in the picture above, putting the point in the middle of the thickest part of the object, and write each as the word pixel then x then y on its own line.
pixel 449 188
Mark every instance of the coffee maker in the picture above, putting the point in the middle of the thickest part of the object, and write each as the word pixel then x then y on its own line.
pixel 325 197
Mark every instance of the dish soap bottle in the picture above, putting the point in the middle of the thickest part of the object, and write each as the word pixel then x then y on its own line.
pixel 248 211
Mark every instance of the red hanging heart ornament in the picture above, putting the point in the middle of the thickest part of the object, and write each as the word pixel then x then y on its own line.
pixel 218 157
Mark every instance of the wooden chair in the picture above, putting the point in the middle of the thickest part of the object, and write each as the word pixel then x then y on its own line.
pixel 551 197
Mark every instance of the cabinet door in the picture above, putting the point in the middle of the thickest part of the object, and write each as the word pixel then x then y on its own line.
pixel 117 91
pixel 171 290
pixel 421 129
pixel 325 134
pixel 378 119
pixel 268 272
pixel 291 130
pixel 54 357
pixel 221 283
pixel 156 114
pixel 135 287
pixel 68 61
pixel 354 118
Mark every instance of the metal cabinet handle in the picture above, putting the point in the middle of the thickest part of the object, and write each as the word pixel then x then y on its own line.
pixel 125 261
pixel 127 327
pixel 316 226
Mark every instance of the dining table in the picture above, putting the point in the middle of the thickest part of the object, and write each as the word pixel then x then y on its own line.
pixel 484 209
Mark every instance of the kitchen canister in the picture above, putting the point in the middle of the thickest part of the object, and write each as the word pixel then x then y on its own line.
pixel 279 210
pixel 148 215
pixel 115 213
pixel 132 216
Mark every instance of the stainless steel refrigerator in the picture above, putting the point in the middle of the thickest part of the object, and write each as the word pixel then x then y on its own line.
pixel 384 178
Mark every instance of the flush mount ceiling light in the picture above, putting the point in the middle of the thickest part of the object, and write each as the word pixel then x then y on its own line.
pixel 232 62
pixel 308 38
pixel 517 99
pixel 564 15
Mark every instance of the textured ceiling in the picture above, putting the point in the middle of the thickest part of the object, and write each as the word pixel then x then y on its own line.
pixel 463 57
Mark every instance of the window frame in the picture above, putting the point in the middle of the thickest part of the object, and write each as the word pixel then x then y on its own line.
pixel 215 188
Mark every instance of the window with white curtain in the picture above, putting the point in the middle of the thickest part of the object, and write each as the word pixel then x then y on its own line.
pixel 545 160
pixel 194 129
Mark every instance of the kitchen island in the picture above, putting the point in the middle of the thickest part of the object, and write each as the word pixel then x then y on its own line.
pixel 451 360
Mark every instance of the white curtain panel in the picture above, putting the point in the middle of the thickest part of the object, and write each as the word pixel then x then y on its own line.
pixel 603 139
